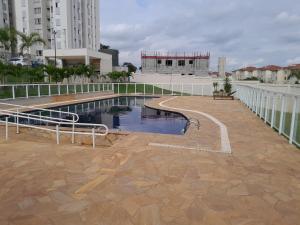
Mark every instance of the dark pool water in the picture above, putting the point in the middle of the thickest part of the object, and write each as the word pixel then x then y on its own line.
pixel 127 114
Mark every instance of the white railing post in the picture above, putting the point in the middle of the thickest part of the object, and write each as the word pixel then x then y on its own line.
pixel 93 136
pixel 135 89
pixel 126 92
pixel 75 88
pixel 267 108
pixel 6 128
pixel 99 89
pixel 39 90
pixel 67 89
pixel 27 95
pixel 73 131
pixel 18 131
pixel 202 90
pixel 49 90
pixel 81 88
pixel 281 114
pixel 181 89
pixel 192 89
pixel 94 88
pixel 58 89
pixel 261 105
pixel 57 134
pixel 13 92
pixel 144 89
pixel 118 88
pixel 153 89
pixel 172 89
pixel 88 88
pixel 293 122
pixel 273 112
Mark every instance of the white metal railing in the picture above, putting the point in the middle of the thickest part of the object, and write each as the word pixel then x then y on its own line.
pixel 22 109
pixel 280 110
pixel 13 91
pixel 97 129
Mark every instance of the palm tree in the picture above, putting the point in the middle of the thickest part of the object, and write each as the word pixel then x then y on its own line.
pixel 30 40
pixel 294 73
pixel 8 39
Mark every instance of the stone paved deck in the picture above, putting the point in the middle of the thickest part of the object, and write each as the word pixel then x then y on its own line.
pixel 132 183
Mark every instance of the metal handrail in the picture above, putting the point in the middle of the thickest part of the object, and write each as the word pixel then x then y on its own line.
pixel 74 115
pixel 93 133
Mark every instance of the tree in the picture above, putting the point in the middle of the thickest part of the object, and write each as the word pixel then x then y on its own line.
pixel 8 39
pixel 102 46
pixel 131 68
pixel 295 74
pixel 227 85
pixel 29 40
pixel 118 76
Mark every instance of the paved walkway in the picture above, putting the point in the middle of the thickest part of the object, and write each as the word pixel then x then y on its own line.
pixel 133 183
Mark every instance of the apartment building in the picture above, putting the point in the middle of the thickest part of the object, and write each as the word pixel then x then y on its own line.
pixel 268 74
pixel 71 29
pixel 34 16
pixel 5 13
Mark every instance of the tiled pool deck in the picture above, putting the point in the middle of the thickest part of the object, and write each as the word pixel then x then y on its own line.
pixel 132 183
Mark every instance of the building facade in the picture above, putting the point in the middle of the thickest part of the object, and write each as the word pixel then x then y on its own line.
pixel 267 74
pixel 185 64
pixel 222 66
pixel 5 13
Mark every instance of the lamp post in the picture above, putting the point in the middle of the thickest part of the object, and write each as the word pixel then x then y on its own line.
pixel 54 34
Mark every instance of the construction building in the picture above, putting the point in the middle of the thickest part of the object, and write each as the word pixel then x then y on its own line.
pixel 185 64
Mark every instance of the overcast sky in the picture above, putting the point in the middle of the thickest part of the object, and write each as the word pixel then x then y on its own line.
pixel 247 32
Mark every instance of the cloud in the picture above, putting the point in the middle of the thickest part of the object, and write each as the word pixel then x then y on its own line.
pixel 246 32
pixel 295 60
pixel 285 17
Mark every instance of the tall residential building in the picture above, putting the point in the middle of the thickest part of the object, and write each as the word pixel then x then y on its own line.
pixel 71 27
pixel 5 13
pixel 34 16
pixel 222 66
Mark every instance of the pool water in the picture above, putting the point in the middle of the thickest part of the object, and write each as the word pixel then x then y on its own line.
pixel 127 114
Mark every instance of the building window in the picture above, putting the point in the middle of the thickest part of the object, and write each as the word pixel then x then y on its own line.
pixel 38 21
pixel 159 61
pixel 39 52
pixel 57 22
pixel 37 10
pixel 181 63
pixel 191 62
pixel 169 62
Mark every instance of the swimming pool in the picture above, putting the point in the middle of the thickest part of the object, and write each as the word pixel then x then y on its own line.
pixel 126 114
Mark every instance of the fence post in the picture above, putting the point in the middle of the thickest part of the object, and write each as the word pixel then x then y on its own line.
pixel 181 89
pixel 81 88
pixel 267 108
pixel 126 89
pixel 293 120
pixel 273 113
pixel 153 89
pixel 75 88
pixel 162 89
pixel 192 89
pixel 13 92
pixel 18 131
pixel 58 89
pixel 49 90
pixel 144 89
pixel 39 90
pixel 93 136
pixel 57 134
pixel 202 90
pixel 94 88
pixel 73 130
pixel 88 88
pixel 27 95
pixel 67 89
pixel 281 114
pixel 172 89
pixel 6 128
